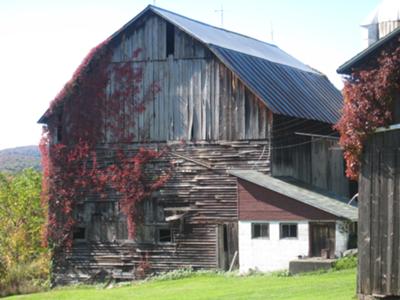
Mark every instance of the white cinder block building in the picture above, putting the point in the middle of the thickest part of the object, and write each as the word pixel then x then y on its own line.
pixel 280 222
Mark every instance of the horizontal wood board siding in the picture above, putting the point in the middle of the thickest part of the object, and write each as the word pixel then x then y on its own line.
pixel 199 182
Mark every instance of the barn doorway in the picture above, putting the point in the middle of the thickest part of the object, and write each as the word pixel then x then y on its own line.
pixel 322 239
pixel 227 245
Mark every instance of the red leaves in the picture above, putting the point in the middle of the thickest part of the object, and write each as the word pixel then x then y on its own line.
pixel 73 174
pixel 368 96
pixel 97 105
pixel 127 176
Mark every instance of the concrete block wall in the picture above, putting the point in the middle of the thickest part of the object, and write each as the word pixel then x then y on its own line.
pixel 273 253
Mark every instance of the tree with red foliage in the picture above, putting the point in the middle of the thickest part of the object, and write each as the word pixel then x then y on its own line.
pixel 368 97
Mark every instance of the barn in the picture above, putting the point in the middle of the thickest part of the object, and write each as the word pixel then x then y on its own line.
pixel 379 178
pixel 210 100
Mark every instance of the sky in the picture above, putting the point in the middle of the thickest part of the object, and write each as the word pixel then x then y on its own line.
pixel 42 42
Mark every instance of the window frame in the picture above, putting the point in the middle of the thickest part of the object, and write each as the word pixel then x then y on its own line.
pixel 261 237
pixel 77 231
pixel 158 230
pixel 288 237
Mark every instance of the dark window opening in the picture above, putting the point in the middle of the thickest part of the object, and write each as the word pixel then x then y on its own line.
pixel 225 238
pixel 164 235
pixel 59 129
pixel 170 39
pixel 259 230
pixel 59 134
pixel 288 231
pixel 353 188
pixel 79 233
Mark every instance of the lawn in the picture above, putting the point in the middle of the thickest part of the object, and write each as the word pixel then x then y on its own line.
pixel 332 285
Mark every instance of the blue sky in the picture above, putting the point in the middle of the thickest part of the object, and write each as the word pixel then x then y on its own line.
pixel 43 41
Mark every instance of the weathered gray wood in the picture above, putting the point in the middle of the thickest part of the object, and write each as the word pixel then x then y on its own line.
pixel 315 161
pixel 208 194
pixel 364 227
pixel 185 101
pixel 379 225
pixel 223 125
pixel 217 101
pixel 396 226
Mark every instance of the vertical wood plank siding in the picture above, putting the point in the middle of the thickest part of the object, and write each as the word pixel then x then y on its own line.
pixel 199 98
pixel 316 161
pixel 379 217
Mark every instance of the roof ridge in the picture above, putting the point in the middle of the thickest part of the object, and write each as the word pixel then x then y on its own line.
pixel 213 26
pixel 312 70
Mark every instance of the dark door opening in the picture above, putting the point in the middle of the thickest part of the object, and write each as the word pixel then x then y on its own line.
pixel 227 241
pixel 322 239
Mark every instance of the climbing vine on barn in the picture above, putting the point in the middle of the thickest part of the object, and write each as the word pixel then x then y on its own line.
pixel 368 99
pixel 96 106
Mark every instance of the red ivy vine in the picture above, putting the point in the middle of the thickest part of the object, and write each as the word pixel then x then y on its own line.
pixel 96 106
pixel 368 98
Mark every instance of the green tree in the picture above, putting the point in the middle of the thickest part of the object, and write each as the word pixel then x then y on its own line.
pixel 21 218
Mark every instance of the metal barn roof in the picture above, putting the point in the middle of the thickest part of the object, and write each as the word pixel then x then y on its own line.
pixel 286 85
pixel 231 40
pixel 328 203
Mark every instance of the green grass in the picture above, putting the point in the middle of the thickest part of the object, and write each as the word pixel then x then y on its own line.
pixel 335 285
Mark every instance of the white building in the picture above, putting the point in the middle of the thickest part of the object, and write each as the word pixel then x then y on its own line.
pixel 381 21
pixel 280 222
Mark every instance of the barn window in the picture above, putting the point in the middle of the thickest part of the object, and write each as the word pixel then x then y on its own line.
pixel 259 230
pixel 164 235
pixel 59 134
pixel 79 233
pixel 59 129
pixel 288 231
pixel 170 39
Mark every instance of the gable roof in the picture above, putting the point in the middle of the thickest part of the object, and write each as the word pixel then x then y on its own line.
pixel 325 202
pixel 286 85
pixel 283 83
pixel 365 55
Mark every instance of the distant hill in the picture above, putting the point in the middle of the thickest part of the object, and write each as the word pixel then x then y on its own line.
pixel 16 159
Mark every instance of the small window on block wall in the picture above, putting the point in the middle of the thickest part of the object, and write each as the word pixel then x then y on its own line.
pixel 259 230
pixel 288 230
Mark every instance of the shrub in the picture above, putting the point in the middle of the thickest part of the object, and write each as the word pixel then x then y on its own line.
pixel 26 277
pixel 348 262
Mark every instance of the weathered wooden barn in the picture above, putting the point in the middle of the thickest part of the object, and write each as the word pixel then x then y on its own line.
pixel 379 196
pixel 225 101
